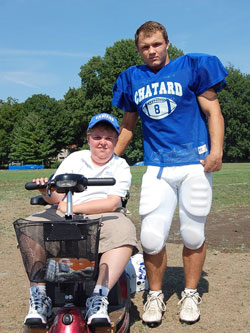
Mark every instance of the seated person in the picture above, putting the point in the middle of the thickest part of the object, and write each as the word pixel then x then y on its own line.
pixel 117 236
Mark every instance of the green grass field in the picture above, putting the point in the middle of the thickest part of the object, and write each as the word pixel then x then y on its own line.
pixel 231 186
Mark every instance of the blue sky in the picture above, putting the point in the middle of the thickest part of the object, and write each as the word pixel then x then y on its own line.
pixel 43 43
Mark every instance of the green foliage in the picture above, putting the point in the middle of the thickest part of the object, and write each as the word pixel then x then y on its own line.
pixel 31 143
pixel 74 106
pixel 54 118
pixel 41 132
pixel 55 165
pixel 235 105
pixel 9 114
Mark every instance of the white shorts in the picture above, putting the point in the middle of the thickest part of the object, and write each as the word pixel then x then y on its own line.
pixel 187 185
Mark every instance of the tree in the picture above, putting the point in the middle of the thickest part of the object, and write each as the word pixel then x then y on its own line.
pixel 55 119
pixel 74 106
pixel 31 143
pixel 235 105
pixel 10 112
pixel 41 116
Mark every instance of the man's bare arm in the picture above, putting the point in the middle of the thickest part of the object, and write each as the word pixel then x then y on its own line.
pixel 126 132
pixel 210 106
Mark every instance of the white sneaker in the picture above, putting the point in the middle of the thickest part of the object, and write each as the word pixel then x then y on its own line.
pixel 190 312
pixel 97 311
pixel 40 309
pixel 153 309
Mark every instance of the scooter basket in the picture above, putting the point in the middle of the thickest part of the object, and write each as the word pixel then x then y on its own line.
pixel 59 251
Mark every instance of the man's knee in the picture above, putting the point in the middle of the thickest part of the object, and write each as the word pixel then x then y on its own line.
pixel 151 241
pixel 195 204
pixel 192 238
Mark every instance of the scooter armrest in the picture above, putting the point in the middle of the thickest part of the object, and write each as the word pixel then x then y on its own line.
pixel 38 200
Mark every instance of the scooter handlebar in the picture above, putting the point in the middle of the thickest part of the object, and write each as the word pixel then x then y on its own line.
pixel 80 181
pixel 33 186
pixel 100 181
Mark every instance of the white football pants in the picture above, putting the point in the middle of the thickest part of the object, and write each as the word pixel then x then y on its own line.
pixel 187 185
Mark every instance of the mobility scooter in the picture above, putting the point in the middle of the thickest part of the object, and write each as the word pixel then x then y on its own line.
pixel 71 260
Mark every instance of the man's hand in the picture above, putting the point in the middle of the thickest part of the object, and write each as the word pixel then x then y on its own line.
pixel 212 163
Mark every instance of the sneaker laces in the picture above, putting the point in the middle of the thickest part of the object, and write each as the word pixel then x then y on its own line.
pixel 154 302
pixel 38 301
pixel 195 297
pixel 96 303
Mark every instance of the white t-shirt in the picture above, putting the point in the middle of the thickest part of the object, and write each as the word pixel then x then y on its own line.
pixel 80 163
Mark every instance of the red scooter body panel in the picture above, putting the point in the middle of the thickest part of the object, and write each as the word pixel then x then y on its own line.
pixel 123 285
pixel 69 320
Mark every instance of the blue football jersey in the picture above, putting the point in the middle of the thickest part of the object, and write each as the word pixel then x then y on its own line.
pixel 174 127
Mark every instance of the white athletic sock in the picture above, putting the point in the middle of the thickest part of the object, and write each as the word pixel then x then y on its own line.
pixel 190 291
pixel 155 292
pixel 101 290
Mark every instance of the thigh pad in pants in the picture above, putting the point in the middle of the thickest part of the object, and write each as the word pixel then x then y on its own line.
pixel 195 203
pixel 157 206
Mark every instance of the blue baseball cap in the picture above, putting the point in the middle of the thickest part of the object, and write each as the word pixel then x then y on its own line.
pixel 104 117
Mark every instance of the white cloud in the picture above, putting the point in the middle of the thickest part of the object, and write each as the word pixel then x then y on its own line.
pixel 28 79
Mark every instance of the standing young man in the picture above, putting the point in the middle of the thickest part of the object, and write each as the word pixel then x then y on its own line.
pixel 174 99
